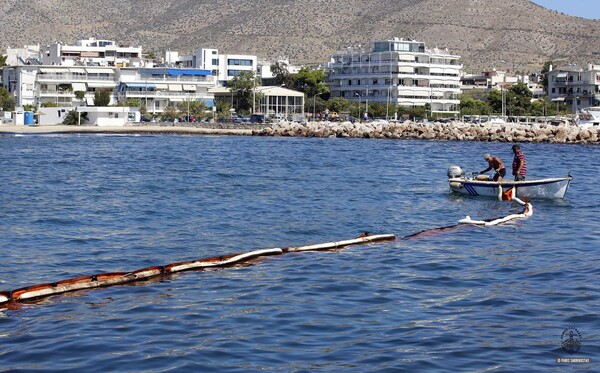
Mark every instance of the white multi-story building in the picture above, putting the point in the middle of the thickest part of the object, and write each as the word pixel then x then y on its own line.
pixel 223 66
pixel 490 79
pixel 158 88
pixel 231 65
pixel 398 72
pixel 574 86
pixel 91 52
pixel 37 84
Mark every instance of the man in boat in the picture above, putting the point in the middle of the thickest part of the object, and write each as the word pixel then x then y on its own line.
pixel 494 163
pixel 519 165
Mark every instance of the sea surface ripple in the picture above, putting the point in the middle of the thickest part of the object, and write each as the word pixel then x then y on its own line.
pixel 471 299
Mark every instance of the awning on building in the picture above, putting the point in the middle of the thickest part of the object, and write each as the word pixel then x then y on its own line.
pixel 175 72
pixel 175 87
pixel 89 101
pixel 193 72
pixel 79 87
pixel 561 75
pixel 175 99
pixel 209 102
pixel 162 86
pixel 189 87
pixel 101 84
pixel 52 70
pixel 77 70
pixel 558 99
pixel 140 85
pixel 96 70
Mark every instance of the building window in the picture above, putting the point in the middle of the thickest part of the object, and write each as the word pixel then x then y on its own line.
pixel 215 61
pixel 233 72
pixel 238 62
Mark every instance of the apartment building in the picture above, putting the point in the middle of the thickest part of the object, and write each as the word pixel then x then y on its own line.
pixel 70 75
pixel 91 52
pixel 223 66
pixel 158 88
pixel 574 86
pixel 398 72
pixel 37 84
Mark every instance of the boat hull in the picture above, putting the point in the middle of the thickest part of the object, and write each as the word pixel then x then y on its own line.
pixel 554 188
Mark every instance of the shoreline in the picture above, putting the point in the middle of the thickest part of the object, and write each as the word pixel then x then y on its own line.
pixel 454 131
pixel 132 130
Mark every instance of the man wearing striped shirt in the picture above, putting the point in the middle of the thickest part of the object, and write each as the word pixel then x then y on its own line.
pixel 519 165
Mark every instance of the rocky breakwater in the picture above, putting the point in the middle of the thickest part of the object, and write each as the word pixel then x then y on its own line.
pixel 453 131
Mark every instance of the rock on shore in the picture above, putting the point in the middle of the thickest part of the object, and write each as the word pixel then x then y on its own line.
pixel 505 132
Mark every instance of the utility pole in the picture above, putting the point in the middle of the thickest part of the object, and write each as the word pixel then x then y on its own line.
pixel 254 94
pixel 503 102
pixel 358 95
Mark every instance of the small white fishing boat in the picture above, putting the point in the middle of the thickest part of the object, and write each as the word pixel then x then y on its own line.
pixel 481 185
pixel 588 117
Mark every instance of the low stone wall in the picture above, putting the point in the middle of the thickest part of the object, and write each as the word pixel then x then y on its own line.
pixel 506 132
pixel 456 131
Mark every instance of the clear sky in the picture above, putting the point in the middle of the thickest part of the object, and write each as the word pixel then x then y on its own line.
pixel 580 8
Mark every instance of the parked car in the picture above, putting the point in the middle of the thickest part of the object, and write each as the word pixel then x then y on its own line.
pixel 258 118
pixel 239 119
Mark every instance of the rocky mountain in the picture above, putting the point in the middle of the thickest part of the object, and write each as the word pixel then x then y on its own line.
pixel 509 34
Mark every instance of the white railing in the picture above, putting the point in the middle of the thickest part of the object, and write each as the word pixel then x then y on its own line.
pixel 158 94
pixel 70 77
pixel 174 79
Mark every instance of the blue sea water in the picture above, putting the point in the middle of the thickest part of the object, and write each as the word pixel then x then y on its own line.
pixel 470 299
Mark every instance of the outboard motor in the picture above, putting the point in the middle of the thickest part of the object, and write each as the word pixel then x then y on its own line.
pixel 455 172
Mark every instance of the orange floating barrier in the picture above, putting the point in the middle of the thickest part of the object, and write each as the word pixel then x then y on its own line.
pixel 118 278
pixel 32 292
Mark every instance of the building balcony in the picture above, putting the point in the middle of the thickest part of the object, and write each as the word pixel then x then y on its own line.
pixel 66 78
pixel 165 94
pixel 177 79
pixel 382 74
pixel 393 62
pixel 51 93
